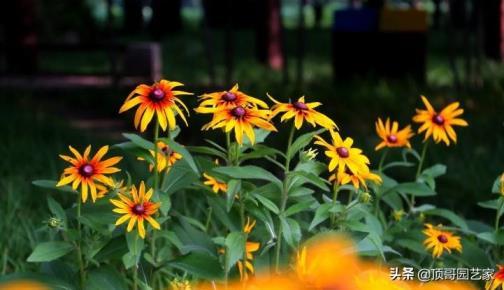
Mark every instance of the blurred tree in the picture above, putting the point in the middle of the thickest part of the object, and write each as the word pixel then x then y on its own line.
pixel 166 17
pixel 269 46
pixel 133 19
pixel 21 37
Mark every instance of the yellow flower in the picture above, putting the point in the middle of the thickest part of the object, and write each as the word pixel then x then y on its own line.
pixel 311 153
pixel 231 98
pixel 392 136
pixel 242 119
pixel 160 99
pixel 85 171
pixel 166 157
pixel 249 225
pixel 301 111
pixel 342 154
pixel 215 184
pixel 439 125
pixel 357 179
pixel 398 215
pixel 250 247
pixel 439 241
pixel 137 210
pixel 497 280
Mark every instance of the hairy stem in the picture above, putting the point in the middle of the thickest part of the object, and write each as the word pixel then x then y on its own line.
pixel 82 274
pixel 283 201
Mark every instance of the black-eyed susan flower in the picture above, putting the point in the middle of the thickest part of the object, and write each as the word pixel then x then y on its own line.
pixel 357 179
pixel 377 278
pixel 166 157
pixel 86 171
pixel 246 266
pixel 301 111
pixel 215 184
pixel 232 98
pixel 242 119
pixel 497 281
pixel 439 241
pixel 137 209
pixel 342 154
pixel 439 125
pixel 391 136
pixel 159 99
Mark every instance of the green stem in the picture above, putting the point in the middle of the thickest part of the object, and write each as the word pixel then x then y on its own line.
pixel 336 189
pixel 283 201
pixel 135 277
pixel 382 159
pixel 419 170
pixel 209 219
pixel 79 240
pixel 156 188
pixel 228 146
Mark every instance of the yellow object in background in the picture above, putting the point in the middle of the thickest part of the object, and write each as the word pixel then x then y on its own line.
pixel 410 20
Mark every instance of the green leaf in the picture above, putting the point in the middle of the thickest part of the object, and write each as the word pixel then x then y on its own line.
pixel 180 176
pixel 291 231
pixel 249 172
pixel 496 185
pixel 435 171
pixel 57 210
pixel 260 151
pixel 199 264
pixel 165 202
pixel 235 247
pixel 310 178
pixel 298 207
pixel 49 251
pixel 114 249
pixel 233 188
pixel 412 245
pixel 398 164
pixel 268 204
pixel 206 150
pixel 321 214
pixel 135 150
pixel 105 278
pixel 183 151
pixel 301 142
pixel 51 184
pixel 449 215
pixel 139 141
pixel 135 245
pixel 414 188
pixel 491 204
pixel 492 237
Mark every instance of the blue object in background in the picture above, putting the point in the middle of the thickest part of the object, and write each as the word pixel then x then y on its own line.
pixel 356 20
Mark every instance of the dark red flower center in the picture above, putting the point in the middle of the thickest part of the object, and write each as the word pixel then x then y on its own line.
pixel 342 152
pixel 238 112
pixel 300 106
pixel 392 138
pixel 229 97
pixel 139 209
pixel 438 120
pixel 442 239
pixel 157 94
pixel 86 170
